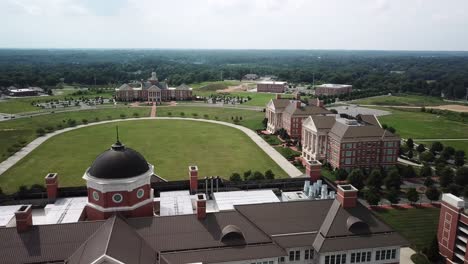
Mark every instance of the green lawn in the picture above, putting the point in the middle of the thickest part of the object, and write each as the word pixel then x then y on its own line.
pixel 287 152
pixel 415 124
pixel 251 119
pixel 418 226
pixel 213 86
pixel 170 145
pixel 19 105
pixel 401 100
pixel 24 129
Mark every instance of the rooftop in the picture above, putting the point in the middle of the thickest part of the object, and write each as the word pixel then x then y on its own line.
pixel 332 85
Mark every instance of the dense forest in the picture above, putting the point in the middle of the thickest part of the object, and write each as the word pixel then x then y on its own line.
pixel 395 71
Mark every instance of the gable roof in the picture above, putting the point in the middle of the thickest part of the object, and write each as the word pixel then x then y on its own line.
pixel 307 110
pixel 280 103
pixel 124 87
pixel 183 87
pixel 320 122
pixel 154 88
pixel 370 119
pixel 116 239
pixel 365 131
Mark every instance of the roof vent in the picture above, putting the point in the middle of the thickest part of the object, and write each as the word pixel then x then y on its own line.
pixel 232 233
pixel 355 225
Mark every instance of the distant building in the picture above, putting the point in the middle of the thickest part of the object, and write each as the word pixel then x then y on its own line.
pixel 452 234
pixel 23 92
pixel 271 87
pixel 347 143
pixel 250 76
pixel 289 114
pixel 153 91
pixel 333 89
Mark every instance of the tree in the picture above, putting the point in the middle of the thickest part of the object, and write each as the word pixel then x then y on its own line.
pixel 84 121
pixel 461 176
pixel 256 176
pixel 409 172
pixel 40 132
pixel 391 130
pixel 420 148
pixel 454 189
pixel 182 114
pixel 425 171
pixel 426 156
pixel 410 143
pixel 235 177
pixel 341 174
pixel 432 253
pixel 459 157
pixel 432 194
pixel 393 196
pixel 410 154
pixel 269 175
pixel 412 195
pixel 247 175
pixel 136 114
pixel 393 180
pixel 447 152
pixel 428 182
pixel 436 147
pixel 356 178
pixel 372 197
pixel 122 115
pixel 446 176
pixel 374 181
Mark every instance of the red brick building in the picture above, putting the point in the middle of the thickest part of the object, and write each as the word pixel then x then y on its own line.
pixel 295 113
pixel 333 89
pixel 452 234
pixel 346 142
pixel 153 91
pixel 271 87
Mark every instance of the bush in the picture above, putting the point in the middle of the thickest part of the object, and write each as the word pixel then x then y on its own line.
pixel 341 174
pixel 412 195
pixel 446 176
pixel 425 171
pixel 372 197
pixel 122 116
pixel 420 148
pixel 432 194
pixel 169 113
pixel 40 132
pixel 71 122
pixel 269 175
pixel 84 121
pixel 206 116
pixel 49 128
pixel 247 175
pixel 182 114
pixel 235 177
pixel 109 117
pixel 96 119
pixel 135 114
pixel 256 176
pixel 356 178
pixel 195 115
pixel 393 196
pixel 461 176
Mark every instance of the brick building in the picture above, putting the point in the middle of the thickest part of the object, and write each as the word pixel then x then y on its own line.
pixel 271 87
pixel 346 142
pixel 289 114
pixel 452 234
pixel 153 91
pixel 121 222
pixel 333 89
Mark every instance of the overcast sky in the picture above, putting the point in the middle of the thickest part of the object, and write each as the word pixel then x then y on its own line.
pixel 236 24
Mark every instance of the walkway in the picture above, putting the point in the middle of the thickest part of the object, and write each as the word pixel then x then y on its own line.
pixel 269 150
pixel 440 139
pixel 153 110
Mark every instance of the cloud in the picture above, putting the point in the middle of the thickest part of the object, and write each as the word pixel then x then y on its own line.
pixel 46 7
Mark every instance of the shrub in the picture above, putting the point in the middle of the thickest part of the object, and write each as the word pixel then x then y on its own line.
pixel 372 197
pixel 412 195
pixel 169 113
pixel 109 117
pixel 182 114
pixel 122 116
pixel 59 126
pixel 135 114
pixel 194 115
pixel 84 121
pixel 206 116
pixel 356 178
pixel 432 194
pixel 393 196
pixel 269 175
pixel 96 119
pixel 256 176
pixel 40 131
pixel 341 174
pixel 247 174
pixel 235 177
pixel 71 122
pixel 49 128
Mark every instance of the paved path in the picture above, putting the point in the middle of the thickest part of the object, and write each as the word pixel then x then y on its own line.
pixel 440 139
pixel 269 150
pixel 405 255
pixel 153 110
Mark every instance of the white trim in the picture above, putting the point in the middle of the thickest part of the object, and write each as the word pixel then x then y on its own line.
pixel 106 258
pixel 122 208
pixel 116 185
pixel 138 191
pixel 117 200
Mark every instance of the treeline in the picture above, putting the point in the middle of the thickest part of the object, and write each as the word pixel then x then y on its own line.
pixel 430 73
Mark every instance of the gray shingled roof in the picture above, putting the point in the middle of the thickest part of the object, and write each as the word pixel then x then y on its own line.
pixel 323 122
pixel 118 240
pixel 280 103
pixel 370 119
pixel 362 131
pixel 305 110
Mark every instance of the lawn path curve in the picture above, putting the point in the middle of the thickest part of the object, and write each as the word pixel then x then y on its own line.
pixel 290 169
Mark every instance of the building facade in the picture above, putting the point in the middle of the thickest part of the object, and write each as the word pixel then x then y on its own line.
pixel 347 143
pixel 452 234
pixel 271 87
pixel 153 91
pixel 333 89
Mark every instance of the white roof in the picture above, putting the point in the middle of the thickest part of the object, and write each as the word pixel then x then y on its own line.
pixel 272 82
pixel 294 196
pixel 453 200
pixel 64 210
pixel 7 213
pixel 227 200
pixel 175 203
pixel 22 90
pixel 333 85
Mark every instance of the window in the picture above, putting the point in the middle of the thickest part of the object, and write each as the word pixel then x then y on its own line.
pixel 348 161
pixel 343 258
pixel 349 145
pixel 95 196
pixel 117 198
pixel 349 153
pixel 140 193
pixel 298 255
pixel 393 253
pixel 294 255
pixel 270 262
pixel 281 259
pixel 389 151
pixel 327 259
pixel 385 254
pixel 377 255
pixel 335 259
pixel 369 254
pixel 361 257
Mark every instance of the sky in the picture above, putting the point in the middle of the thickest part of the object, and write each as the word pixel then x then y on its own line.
pixel 236 24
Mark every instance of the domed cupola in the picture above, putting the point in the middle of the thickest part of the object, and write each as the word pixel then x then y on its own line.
pixel 119 162
pixel 119 181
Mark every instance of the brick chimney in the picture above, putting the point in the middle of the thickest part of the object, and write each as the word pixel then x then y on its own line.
pixel 193 178
pixel 313 169
pixel 201 206
pixel 23 218
pixel 347 195
pixel 278 96
pixel 51 181
pixel 298 104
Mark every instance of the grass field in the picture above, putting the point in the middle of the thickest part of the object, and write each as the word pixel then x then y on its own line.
pixel 250 119
pixel 418 226
pixel 213 86
pixel 170 145
pixel 402 100
pixel 18 105
pixel 24 129
pixel 416 124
